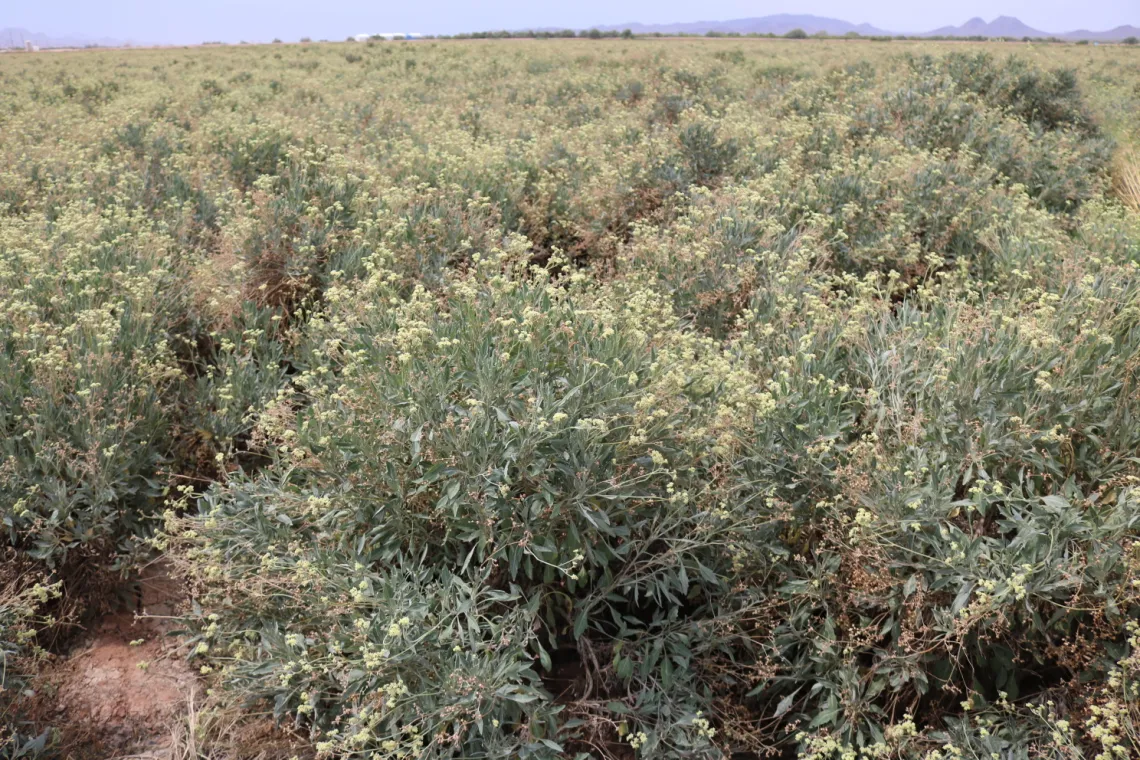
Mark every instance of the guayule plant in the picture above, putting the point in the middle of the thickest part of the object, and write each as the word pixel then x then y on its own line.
pixel 541 442
pixel 23 598
pixel 87 375
pixel 949 521
pixel 96 378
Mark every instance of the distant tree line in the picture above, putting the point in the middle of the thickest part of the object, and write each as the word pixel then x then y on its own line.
pixel 543 34
pixel 794 34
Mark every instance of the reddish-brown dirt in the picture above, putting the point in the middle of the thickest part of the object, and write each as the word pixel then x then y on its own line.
pixel 122 687
pixel 127 692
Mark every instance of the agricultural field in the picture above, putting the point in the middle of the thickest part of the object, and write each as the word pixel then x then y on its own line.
pixel 540 399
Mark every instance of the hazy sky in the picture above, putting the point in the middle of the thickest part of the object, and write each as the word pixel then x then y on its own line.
pixel 192 21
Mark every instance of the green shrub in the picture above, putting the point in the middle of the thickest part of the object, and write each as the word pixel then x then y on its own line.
pixel 1046 98
pixel 88 376
pixel 256 156
pixel 114 385
pixel 974 534
pixel 549 442
pixel 22 603
pixel 703 156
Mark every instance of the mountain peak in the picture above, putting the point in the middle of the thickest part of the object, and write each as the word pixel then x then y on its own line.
pixel 782 23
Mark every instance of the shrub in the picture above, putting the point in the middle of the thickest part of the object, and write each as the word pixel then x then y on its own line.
pixel 704 158
pixel 552 513
pixel 255 156
pixel 98 406
pixel 796 34
pixel 668 108
pixel 22 602
pixel 990 583
pixel 630 93
pixel 1047 98
pixel 87 381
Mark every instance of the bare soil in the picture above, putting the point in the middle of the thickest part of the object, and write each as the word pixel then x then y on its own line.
pixel 117 693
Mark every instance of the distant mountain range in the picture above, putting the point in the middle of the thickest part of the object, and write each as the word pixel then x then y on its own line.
pixel 782 23
pixel 779 24
pixel 1002 26
pixel 14 37
pixel 1008 26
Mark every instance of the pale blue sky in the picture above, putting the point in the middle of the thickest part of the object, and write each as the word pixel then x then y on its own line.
pixel 192 21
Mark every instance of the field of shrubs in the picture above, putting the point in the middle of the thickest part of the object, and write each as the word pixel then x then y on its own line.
pixel 615 399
